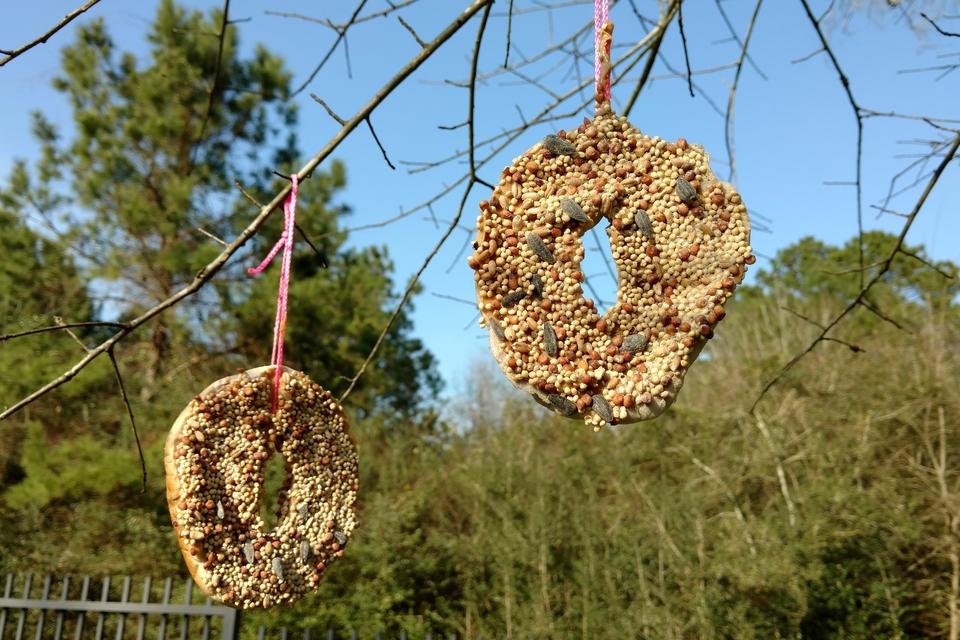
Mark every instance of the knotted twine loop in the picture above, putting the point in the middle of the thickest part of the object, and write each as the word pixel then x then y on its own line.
pixel 604 38
pixel 286 243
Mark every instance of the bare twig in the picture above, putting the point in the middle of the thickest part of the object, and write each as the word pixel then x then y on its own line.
pixel 330 111
pixel 211 269
pixel 67 19
pixel 849 345
pixel 341 34
pixel 686 54
pixel 865 289
pixel 661 31
pixel 133 422
pixel 219 241
pixel 379 144
pixel 61 327
pixel 815 22
pixel 224 23
pixel 736 38
pixel 393 6
pixel 937 27
pixel 728 127
pixel 506 54
pixel 324 262
pixel 412 32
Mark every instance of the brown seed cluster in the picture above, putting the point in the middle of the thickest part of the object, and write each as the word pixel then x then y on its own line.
pixel 215 459
pixel 680 240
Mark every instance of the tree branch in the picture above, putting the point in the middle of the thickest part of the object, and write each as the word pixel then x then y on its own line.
pixel 67 19
pixel 884 268
pixel 133 422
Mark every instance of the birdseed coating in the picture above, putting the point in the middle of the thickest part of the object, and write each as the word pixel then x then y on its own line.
pixel 680 240
pixel 215 459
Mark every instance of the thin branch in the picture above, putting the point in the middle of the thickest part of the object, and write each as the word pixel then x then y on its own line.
pixel 872 308
pixel 686 54
pixel 211 269
pixel 661 31
pixel 950 34
pixel 341 33
pixel 393 6
pixel 133 422
pixel 219 241
pixel 377 140
pixel 849 345
pixel 224 22
pixel 67 19
pixel 728 127
pixel 885 267
pixel 70 333
pixel 454 298
pixel 456 220
pixel 927 263
pixel 506 54
pixel 736 38
pixel 856 114
pixel 62 326
pixel 412 32
pixel 323 257
pixel 330 111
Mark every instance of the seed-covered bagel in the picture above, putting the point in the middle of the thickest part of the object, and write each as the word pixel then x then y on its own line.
pixel 215 457
pixel 680 240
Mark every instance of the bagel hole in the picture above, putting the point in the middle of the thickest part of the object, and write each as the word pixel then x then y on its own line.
pixel 599 269
pixel 275 478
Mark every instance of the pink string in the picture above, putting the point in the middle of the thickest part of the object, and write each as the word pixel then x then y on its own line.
pixel 600 16
pixel 286 243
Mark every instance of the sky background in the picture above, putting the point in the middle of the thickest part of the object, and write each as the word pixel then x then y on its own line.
pixel 794 130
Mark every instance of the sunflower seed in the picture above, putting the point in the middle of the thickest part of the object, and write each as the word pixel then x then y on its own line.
pixel 513 298
pixel 633 343
pixel 304 551
pixel 537 282
pixel 602 408
pixel 570 207
pixel 536 245
pixel 303 510
pixel 643 223
pixel 549 339
pixel 340 537
pixel 220 511
pixel 562 405
pixel 685 191
pixel 558 146
pixel 497 329
pixel 248 552
pixel 277 565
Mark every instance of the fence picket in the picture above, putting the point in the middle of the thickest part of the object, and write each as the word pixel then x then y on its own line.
pixel 104 596
pixel 187 599
pixel 41 621
pixel 23 612
pixel 167 587
pixel 124 597
pixel 6 594
pixel 142 622
pixel 81 617
pixel 58 625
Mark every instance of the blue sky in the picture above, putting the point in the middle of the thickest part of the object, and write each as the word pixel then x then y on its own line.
pixel 794 130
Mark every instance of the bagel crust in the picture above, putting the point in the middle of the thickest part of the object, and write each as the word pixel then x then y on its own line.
pixel 214 460
pixel 680 240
